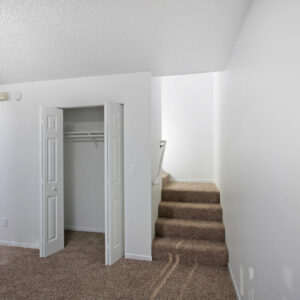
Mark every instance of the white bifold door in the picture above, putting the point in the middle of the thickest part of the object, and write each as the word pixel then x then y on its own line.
pixel 114 215
pixel 52 181
pixel 52 194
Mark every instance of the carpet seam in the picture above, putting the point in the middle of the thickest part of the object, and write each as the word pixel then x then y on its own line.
pixel 165 279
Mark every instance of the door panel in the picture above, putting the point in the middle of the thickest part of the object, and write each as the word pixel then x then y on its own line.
pixel 114 231
pixel 117 214
pixel 52 218
pixel 52 160
pixel 116 161
pixel 52 214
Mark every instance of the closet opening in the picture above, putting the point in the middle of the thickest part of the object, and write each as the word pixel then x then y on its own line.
pixel 84 183
pixel 82 189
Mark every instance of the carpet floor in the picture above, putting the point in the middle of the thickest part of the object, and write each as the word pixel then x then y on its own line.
pixel 78 272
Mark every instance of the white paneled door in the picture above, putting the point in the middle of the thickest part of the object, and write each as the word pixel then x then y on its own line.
pixel 114 198
pixel 52 202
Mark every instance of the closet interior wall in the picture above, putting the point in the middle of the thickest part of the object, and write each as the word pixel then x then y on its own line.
pixel 84 170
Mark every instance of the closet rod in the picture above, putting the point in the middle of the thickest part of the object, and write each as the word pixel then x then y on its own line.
pixel 93 135
pixel 84 132
pixel 85 136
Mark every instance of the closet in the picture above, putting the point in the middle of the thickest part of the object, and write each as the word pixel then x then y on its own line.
pixel 81 170
pixel 84 169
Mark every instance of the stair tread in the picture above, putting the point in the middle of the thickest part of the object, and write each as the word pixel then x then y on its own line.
pixel 165 179
pixel 190 211
pixel 165 175
pixel 191 192
pixel 192 186
pixel 192 205
pixel 188 244
pixel 190 252
pixel 188 222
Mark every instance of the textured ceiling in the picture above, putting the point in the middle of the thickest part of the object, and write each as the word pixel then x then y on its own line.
pixel 50 39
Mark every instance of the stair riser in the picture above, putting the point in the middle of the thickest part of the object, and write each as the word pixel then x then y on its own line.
pixel 191 213
pixel 192 257
pixel 190 196
pixel 189 232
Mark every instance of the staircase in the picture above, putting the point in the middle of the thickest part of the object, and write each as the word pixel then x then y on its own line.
pixel 190 224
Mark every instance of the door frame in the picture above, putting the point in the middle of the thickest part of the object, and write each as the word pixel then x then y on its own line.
pixel 106 222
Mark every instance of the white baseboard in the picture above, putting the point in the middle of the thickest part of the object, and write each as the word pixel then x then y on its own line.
pixel 234 282
pixel 191 180
pixel 138 257
pixel 18 244
pixel 82 228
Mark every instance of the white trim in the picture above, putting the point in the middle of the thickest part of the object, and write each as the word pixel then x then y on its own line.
pixel 18 244
pixel 191 180
pixel 83 228
pixel 81 105
pixel 106 211
pixel 234 282
pixel 41 182
pixel 138 257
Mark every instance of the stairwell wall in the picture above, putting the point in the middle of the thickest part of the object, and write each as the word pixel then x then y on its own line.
pixel 188 126
pixel 258 164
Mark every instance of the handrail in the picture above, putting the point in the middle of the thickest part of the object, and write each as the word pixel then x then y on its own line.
pixel 163 144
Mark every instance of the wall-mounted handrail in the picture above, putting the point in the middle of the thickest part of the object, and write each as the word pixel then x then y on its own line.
pixel 163 144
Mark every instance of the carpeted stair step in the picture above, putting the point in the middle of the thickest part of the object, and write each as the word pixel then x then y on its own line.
pixel 165 179
pixel 193 211
pixel 198 192
pixel 190 229
pixel 191 251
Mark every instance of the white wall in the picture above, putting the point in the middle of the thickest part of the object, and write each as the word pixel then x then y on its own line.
pixel 155 143
pixel 258 158
pixel 19 151
pixel 84 188
pixel 188 126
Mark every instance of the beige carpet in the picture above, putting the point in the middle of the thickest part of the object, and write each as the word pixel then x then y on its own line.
pixel 78 272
